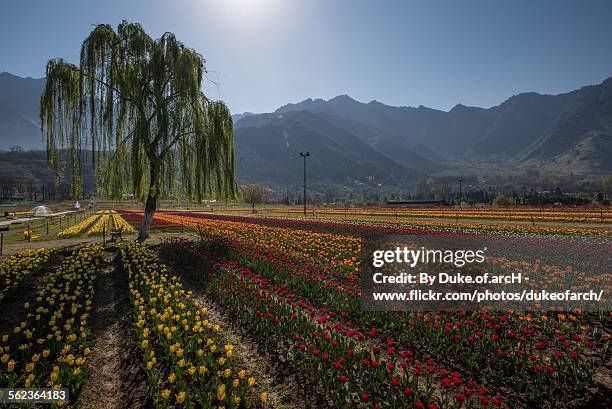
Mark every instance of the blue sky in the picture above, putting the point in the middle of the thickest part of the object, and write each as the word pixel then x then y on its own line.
pixel 265 53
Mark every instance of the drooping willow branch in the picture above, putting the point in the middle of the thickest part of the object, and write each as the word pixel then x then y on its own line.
pixel 137 105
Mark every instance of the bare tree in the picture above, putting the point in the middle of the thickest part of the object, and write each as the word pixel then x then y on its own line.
pixel 254 194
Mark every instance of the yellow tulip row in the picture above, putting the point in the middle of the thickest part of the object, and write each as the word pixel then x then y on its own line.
pixel 49 347
pixel 499 228
pixel 98 224
pixel 15 270
pixel 101 226
pixel 79 228
pixel 120 224
pixel 461 225
pixel 578 215
pixel 186 360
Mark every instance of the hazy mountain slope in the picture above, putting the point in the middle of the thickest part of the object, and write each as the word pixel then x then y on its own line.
pixel 238 117
pixel 382 141
pixel 21 95
pixel 405 127
pixel 270 152
pixel 19 104
pixel 517 122
pixel 585 120
pixel 17 130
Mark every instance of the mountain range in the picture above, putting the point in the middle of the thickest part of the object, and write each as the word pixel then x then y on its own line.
pixel 354 141
pixel 567 133
pixel 19 107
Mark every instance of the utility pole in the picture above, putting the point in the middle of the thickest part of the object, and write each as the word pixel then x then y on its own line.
pixel 304 155
pixel 460 191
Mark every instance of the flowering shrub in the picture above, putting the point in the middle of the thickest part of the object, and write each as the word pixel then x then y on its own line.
pixel 15 270
pixel 185 360
pixel 50 346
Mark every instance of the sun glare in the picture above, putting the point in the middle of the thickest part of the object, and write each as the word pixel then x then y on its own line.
pixel 250 10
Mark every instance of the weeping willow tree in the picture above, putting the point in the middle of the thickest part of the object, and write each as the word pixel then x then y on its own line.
pixel 136 105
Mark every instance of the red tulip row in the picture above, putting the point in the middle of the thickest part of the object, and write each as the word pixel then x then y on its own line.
pixel 538 359
pixel 135 219
pixel 354 368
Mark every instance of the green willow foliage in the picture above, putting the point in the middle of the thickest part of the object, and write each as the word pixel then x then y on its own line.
pixel 137 105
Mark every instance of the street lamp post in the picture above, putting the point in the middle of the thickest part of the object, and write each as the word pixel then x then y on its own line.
pixel 304 155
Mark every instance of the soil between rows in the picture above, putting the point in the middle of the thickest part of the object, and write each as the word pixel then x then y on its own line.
pixel 284 388
pixel 115 379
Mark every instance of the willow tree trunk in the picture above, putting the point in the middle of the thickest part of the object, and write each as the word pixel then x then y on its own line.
pixel 151 202
pixel 150 206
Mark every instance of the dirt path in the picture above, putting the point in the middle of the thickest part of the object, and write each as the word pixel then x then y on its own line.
pixel 115 379
pixel 272 375
pixel 14 248
pixel 602 388
pixel 57 243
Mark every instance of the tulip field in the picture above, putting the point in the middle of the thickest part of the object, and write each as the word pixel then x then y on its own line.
pixel 15 270
pixel 238 311
pixel 97 224
pixel 48 342
pixel 517 213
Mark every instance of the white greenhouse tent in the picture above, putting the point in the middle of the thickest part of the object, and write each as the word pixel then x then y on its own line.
pixel 41 211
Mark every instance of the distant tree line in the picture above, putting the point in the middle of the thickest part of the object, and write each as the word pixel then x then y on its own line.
pixel 26 175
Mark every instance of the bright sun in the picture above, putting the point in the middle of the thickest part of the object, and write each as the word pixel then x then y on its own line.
pixel 249 10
